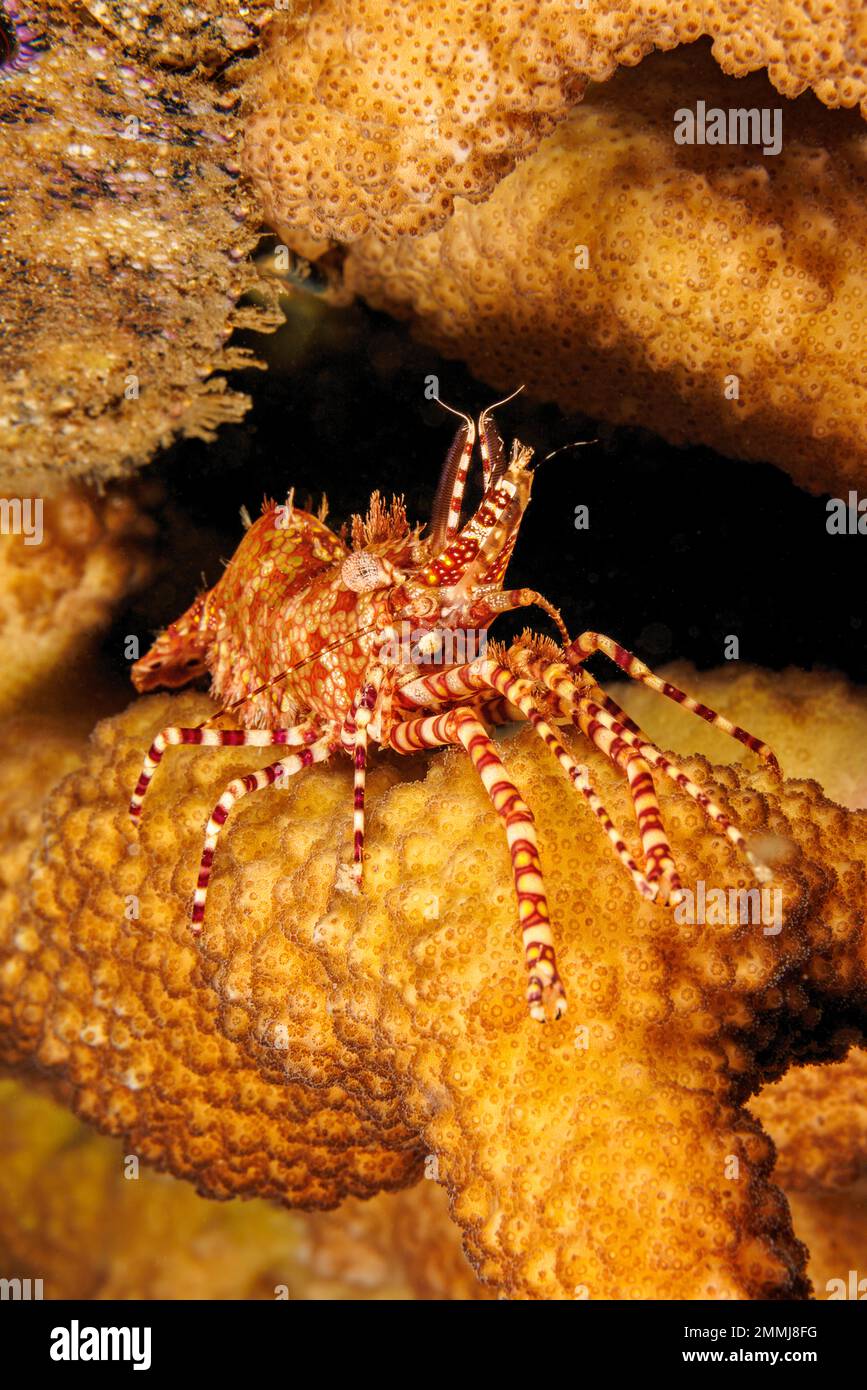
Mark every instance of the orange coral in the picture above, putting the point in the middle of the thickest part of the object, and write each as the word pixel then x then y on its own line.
pixel 834 1225
pixel 707 288
pixel 319 1044
pixel 75 1214
pixel 815 1115
pixel 73 558
pixel 818 1119
pixel 377 114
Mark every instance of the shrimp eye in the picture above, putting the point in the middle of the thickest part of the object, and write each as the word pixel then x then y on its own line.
pixel 363 573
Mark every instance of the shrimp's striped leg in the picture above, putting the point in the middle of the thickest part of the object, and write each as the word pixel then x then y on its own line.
pixel 354 736
pixel 242 786
pixel 519 693
pixel 679 777
pixel 586 712
pixel 590 642
pixel 658 858
pixel 466 681
pixel 660 868
pixel 546 996
pixel 298 736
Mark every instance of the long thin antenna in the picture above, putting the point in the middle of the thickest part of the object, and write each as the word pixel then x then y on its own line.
pixel 460 414
pixel 505 401
pixel 576 444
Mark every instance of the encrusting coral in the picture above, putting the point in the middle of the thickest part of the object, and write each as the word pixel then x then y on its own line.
pixel 66 561
pixel 708 289
pixel 71 1215
pixel 815 1115
pixel 315 1044
pixel 376 114
pixel 77 1215
pixel 124 237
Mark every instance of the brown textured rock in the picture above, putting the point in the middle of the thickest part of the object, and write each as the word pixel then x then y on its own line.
pixel 339 1040
pixel 124 236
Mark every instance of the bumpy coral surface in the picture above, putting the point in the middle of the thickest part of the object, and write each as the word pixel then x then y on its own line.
pixel 74 556
pixel 818 1118
pixel 315 1044
pixel 123 237
pixel 816 721
pixel 75 1213
pixel 377 114
pixel 708 289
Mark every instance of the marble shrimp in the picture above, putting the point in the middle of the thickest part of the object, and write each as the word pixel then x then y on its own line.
pixel 318 644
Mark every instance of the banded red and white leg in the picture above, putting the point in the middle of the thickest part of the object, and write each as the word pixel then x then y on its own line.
pixel 236 789
pixel 546 996
pixel 204 736
pixel 589 642
pixel 660 868
pixel 354 736
pixel 487 675
pixel 587 712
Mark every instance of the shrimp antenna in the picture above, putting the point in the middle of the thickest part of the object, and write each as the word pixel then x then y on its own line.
pixel 460 414
pixel 505 401
pixel 576 444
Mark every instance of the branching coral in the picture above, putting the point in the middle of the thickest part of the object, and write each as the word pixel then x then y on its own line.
pixel 321 1044
pixel 70 561
pixel 377 114
pixel 709 289
pixel 124 237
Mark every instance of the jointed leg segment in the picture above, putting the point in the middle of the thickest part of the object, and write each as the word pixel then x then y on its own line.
pixel 242 786
pixel 299 736
pixel 590 642
pixel 545 994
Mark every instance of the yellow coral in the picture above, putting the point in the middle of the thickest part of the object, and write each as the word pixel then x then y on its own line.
pixel 316 1044
pixel 74 556
pixel 377 114
pixel 75 1214
pixel 711 290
